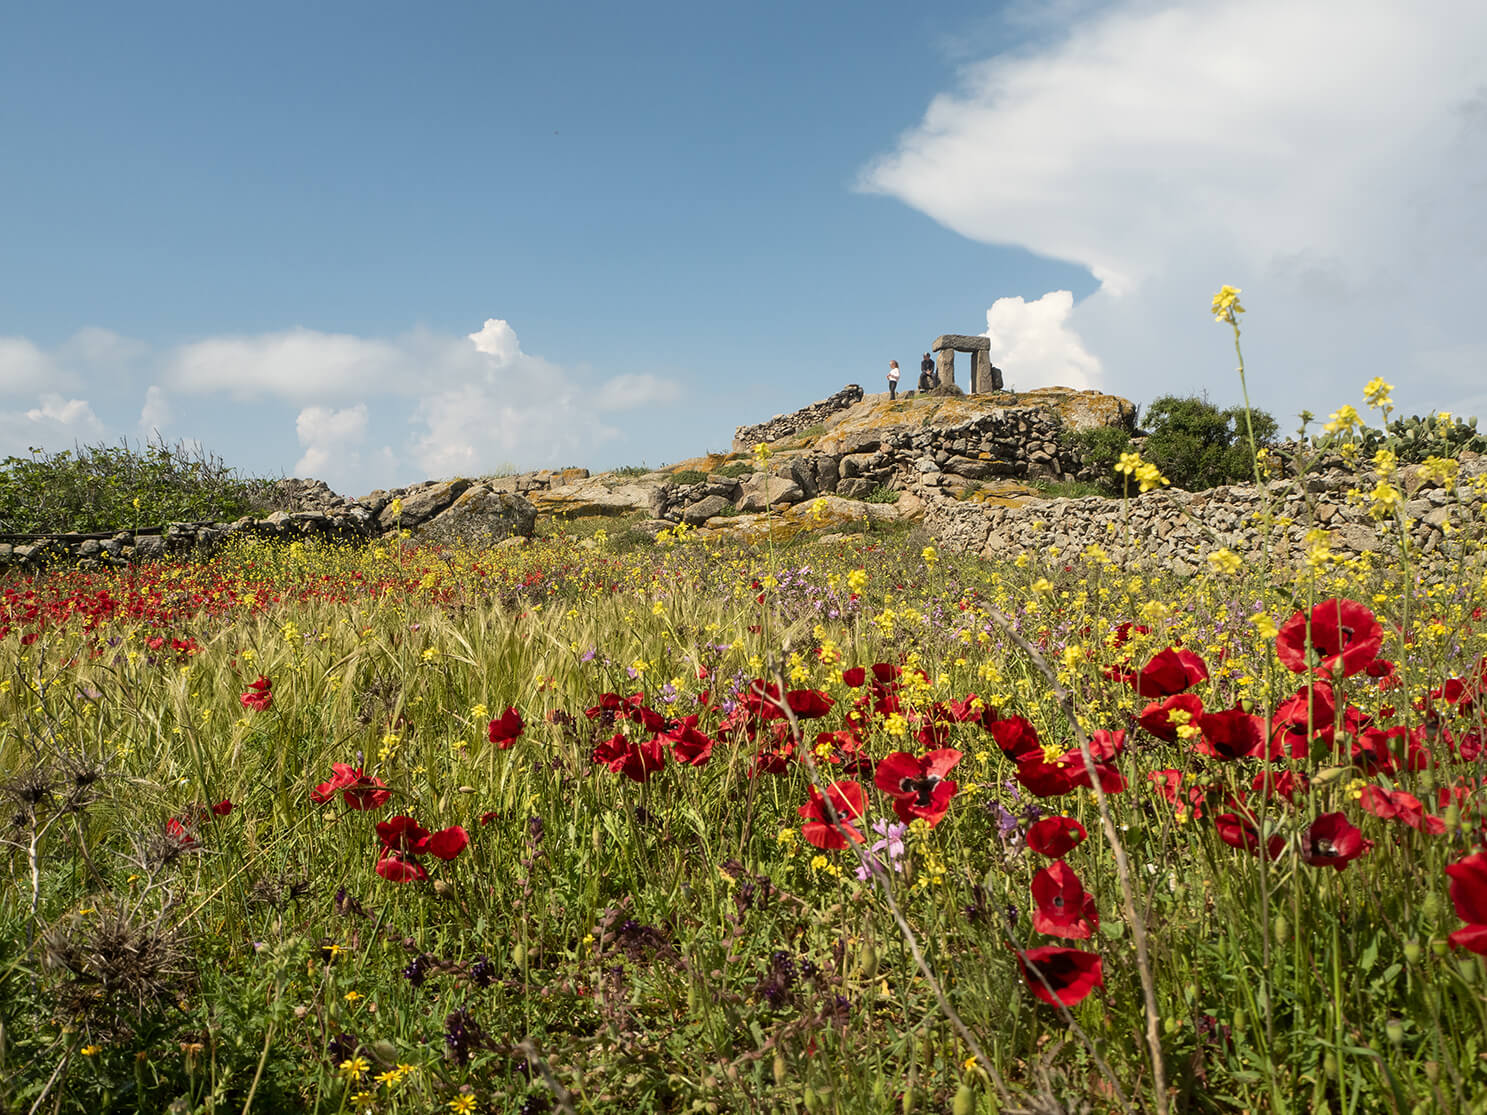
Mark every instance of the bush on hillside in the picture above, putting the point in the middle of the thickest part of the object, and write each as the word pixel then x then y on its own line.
pixel 116 487
pixel 1194 443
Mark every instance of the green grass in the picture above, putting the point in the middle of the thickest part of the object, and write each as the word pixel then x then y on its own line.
pixel 675 942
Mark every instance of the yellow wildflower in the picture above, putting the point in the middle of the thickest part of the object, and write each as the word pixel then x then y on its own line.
pixel 1226 304
pixel 1224 561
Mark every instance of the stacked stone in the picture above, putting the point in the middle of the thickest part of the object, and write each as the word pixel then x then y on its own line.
pixel 1177 530
pixel 783 425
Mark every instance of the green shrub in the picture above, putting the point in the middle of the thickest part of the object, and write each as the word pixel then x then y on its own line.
pixel 627 472
pixel 1100 449
pixel 881 494
pixel 1198 446
pixel 737 468
pixel 114 487
pixel 688 476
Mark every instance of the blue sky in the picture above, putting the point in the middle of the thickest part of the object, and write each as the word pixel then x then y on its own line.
pixel 377 242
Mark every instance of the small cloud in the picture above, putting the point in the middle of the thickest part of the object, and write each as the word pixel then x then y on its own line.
pixel 330 438
pixel 296 364
pixel 155 415
pixel 1034 346
pixel 632 390
pixel 497 338
pixel 24 368
pixel 56 422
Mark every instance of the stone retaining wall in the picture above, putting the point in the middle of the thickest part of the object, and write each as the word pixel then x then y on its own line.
pixel 783 425
pixel 1177 530
pixel 479 512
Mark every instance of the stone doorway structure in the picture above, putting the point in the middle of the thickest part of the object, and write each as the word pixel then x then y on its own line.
pixel 984 375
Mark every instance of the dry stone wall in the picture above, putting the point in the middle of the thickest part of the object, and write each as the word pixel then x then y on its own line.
pixel 1177 530
pixel 783 425
pixel 445 511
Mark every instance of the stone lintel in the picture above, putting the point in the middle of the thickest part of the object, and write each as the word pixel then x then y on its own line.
pixel 960 342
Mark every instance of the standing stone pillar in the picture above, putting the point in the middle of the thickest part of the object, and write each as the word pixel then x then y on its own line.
pixel 945 365
pixel 980 371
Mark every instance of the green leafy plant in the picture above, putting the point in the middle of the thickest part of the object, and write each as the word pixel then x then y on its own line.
pixel 688 476
pixel 881 494
pixel 117 487
pixel 1197 445
pixel 736 469
pixel 628 472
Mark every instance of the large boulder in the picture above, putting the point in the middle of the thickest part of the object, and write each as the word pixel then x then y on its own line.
pixel 421 504
pixel 480 517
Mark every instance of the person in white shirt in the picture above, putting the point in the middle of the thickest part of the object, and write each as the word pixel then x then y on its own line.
pixel 892 380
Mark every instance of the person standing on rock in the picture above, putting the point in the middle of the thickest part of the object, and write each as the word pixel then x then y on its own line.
pixel 892 380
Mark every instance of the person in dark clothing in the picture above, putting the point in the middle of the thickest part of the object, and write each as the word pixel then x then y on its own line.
pixel 928 380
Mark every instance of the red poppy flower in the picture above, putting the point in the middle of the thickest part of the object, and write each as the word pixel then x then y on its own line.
pixel 1064 908
pixel 1105 745
pixel 1240 832
pixel 1285 784
pixel 854 676
pixel 1016 737
pixel 885 673
pixel 1060 976
pixel 1111 779
pixel 1302 717
pixel 636 761
pixel 690 746
pixel 1170 671
pixel 967 710
pixel 1469 895
pixel 1331 841
pixel 180 833
pixel 357 790
pixel 395 868
pixel 829 816
pixel 1397 805
pixel 1345 638
pixel 448 843
pixel 506 729
pixel 1042 778
pixel 403 834
pixel 918 786
pixel 808 704
pixel 258 698
pixel 222 808
pixel 1230 734
pixel 1157 717
pixel 1055 837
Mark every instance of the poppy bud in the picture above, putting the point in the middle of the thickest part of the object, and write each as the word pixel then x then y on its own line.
pixel 1394 1031
pixel 1329 1066
pixel 910 1102
pixel 385 1051
pixel 1282 929
pixel 867 962
pixel 1412 951
pixel 1453 817
pixel 1440 948
pixel 811 1101
pixel 519 955
pixel 1431 906
pixel 781 1069
pixel 1467 966
pixel 965 1100
pixel 1170 1025
pixel 1241 1019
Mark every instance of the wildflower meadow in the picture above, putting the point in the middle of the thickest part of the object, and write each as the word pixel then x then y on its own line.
pixel 849 826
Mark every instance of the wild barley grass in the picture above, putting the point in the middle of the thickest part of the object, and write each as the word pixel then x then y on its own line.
pixel 184 925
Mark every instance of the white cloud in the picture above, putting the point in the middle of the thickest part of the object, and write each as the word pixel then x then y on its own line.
pixel 55 423
pixel 1327 157
pixel 25 369
pixel 330 438
pixel 446 404
pixel 496 338
pixel 1035 338
pixel 155 414
pixel 630 391
pixel 296 364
